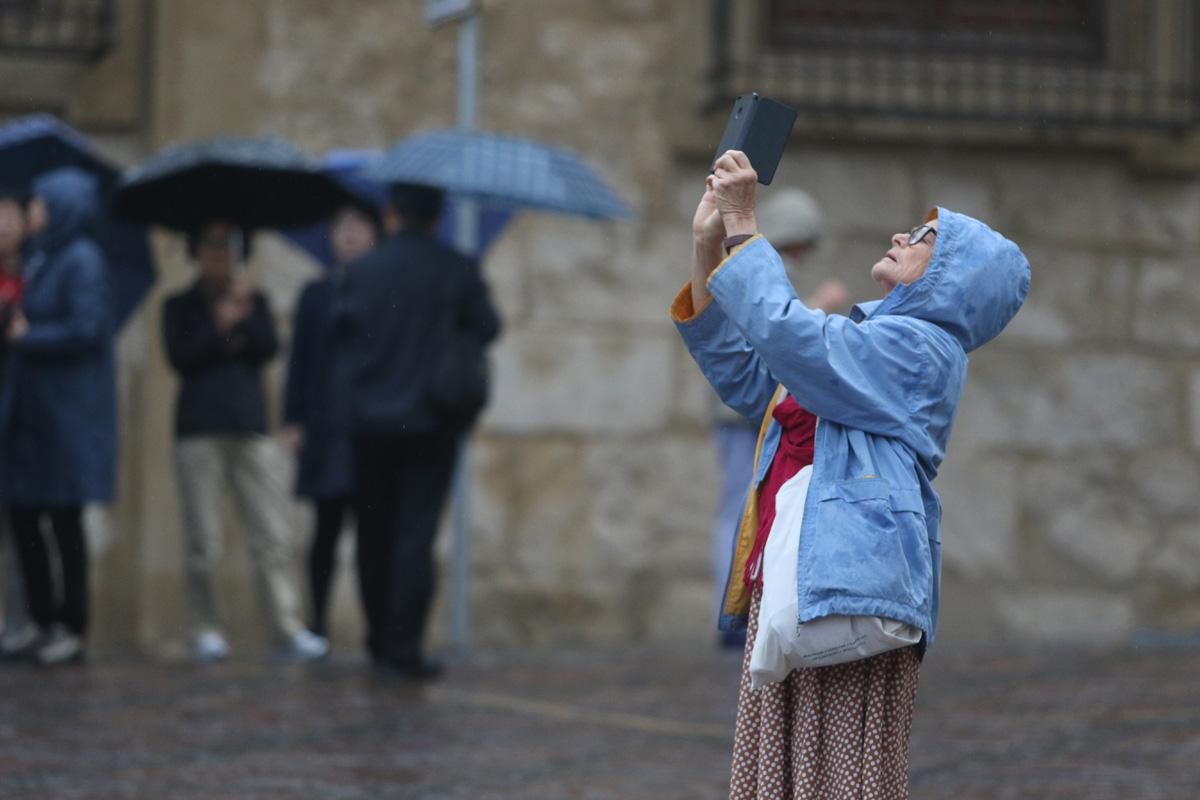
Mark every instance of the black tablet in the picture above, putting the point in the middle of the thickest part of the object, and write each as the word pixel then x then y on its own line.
pixel 759 127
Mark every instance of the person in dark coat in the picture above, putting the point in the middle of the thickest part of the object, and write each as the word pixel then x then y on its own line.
pixel 316 383
pixel 19 633
pixel 402 308
pixel 60 446
pixel 219 335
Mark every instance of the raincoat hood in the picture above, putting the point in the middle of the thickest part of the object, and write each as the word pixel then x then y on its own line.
pixel 72 198
pixel 975 284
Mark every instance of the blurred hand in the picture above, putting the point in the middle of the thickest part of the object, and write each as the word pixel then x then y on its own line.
pixel 18 326
pixel 734 182
pixel 707 226
pixel 234 306
pixel 293 437
pixel 830 296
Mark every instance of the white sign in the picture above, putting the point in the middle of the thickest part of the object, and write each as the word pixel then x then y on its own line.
pixel 438 12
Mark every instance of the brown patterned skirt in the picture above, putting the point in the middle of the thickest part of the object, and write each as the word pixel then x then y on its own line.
pixel 829 733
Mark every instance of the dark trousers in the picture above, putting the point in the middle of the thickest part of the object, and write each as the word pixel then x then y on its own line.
pixel 401 483
pixel 46 606
pixel 322 556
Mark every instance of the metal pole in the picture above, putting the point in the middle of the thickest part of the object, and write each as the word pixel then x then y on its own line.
pixel 467 239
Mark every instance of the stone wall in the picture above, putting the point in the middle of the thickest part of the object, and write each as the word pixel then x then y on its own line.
pixel 1069 490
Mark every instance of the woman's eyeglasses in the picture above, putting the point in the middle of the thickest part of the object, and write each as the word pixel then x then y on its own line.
pixel 918 234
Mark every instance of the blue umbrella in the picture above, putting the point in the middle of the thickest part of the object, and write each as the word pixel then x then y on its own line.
pixel 501 170
pixel 345 167
pixel 37 144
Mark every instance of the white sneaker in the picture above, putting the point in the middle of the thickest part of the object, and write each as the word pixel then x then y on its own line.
pixel 62 647
pixel 209 647
pixel 21 642
pixel 304 647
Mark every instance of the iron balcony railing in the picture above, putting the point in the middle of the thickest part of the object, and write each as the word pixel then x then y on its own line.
pixel 76 29
pixel 1053 63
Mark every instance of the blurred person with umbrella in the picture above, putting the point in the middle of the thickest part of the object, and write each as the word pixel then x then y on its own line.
pixel 413 319
pixel 220 333
pixel 427 374
pixel 315 386
pixel 316 380
pixel 31 147
pixel 18 632
pixel 60 439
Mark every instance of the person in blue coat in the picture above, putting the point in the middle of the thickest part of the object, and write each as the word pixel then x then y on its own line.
pixel 316 383
pixel 60 439
pixel 883 386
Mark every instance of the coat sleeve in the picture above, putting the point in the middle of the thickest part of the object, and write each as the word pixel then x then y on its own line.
pixel 296 387
pixel 86 320
pixel 259 343
pixel 478 312
pixel 191 337
pixel 725 357
pixel 866 376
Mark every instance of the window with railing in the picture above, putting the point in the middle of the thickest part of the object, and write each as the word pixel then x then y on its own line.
pixel 1053 63
pixel 82 29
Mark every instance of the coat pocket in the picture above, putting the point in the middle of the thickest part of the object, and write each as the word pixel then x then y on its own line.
pixel 869 541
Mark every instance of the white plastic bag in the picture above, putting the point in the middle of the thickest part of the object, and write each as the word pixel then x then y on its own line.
pixel 782 643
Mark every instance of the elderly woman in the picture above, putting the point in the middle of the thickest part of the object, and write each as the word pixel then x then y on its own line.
pixel 884 385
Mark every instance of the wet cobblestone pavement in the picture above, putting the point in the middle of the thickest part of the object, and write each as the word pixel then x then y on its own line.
pixel 593 726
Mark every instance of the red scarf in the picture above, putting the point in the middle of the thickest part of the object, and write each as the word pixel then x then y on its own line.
pixel 794 454
pixel 10 289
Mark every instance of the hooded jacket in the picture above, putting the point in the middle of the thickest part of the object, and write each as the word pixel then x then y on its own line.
pixel 60 438
pixel 885 384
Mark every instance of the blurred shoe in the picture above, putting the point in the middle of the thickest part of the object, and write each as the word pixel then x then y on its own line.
pixel 209 647
pixel 21 643
pixel 411 667
pixel 62 647
pixel 304 647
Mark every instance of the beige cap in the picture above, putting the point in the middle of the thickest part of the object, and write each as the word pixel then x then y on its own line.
pixel 789 217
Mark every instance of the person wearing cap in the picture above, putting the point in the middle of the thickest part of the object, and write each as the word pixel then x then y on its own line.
pixel 316 386
pixel 791 219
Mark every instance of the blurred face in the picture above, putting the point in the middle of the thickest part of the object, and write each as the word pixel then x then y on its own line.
pixel 907 259
pixel 38 217
pixel 216 251
pixel 352 235
pixel 12 229
pixel 794 253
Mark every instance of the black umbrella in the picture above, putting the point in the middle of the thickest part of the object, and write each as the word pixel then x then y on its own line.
pixel 252 182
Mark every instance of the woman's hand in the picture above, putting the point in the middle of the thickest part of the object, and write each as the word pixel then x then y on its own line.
pixel 18 326
pixel 734 183
pixel 707 227
pixel 293 437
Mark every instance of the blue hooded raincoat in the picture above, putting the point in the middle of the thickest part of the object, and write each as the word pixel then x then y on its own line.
pixel 885 385
pixel 60 443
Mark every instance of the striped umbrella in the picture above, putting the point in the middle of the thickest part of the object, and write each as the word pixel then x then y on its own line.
pixel 500 170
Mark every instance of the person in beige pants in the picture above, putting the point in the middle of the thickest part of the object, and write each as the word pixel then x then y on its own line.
pixel 248 465
pixel 219 335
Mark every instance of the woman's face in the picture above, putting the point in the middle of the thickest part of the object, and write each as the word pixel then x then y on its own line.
pixel 38 218
pixel 217 247
pixel 352 235
pixel 905 263
pixel 12 229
